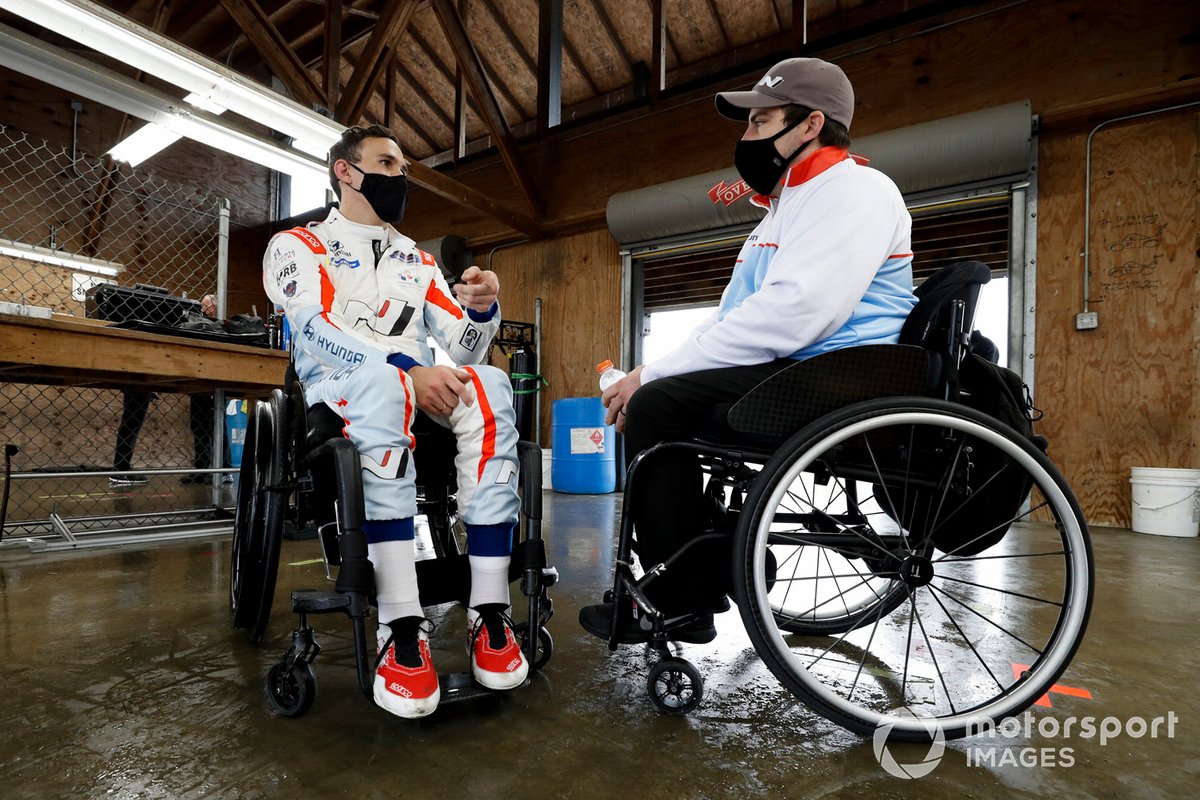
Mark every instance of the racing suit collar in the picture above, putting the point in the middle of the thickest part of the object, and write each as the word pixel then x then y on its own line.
pixel 358 230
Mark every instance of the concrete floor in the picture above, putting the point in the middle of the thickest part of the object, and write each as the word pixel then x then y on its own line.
pixel 122 677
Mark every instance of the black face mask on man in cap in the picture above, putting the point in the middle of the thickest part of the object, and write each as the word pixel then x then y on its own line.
pixel 386 194
pixel 760 164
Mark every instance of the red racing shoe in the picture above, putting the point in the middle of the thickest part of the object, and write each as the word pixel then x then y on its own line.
pixel 496 658
pixel 406 683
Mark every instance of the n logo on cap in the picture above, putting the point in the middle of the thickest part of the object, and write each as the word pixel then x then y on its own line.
pixel 771 81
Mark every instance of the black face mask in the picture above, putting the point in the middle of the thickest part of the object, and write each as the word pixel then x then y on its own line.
pixel 387 194
pixel 760 164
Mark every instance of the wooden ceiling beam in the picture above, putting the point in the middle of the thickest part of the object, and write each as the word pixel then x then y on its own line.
pixel 472 68
pixel 443 69
pixel 332 62
pixel 659 7
pixel 275 50
pixel 376 55
pixel 463 195
pixel 716 15
pixel 397 112
pixel 614 37
pixel 549 67
pixel 658 56
pixel 434 109
pixel 494 78
pixel 511 35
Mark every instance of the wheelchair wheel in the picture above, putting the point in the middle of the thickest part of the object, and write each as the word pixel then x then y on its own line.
pixel 675 686
pixel 543 649
pixel 926 608
pixel 258 518
pixel 291 690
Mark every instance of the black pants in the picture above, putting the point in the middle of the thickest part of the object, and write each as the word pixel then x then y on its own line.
pixel 200 419
pixel 134 405
pixel 667 502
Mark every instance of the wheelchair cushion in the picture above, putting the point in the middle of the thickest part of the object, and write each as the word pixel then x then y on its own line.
pixel 800 394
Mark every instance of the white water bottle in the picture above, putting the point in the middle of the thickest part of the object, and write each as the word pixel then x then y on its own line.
pixel 608 374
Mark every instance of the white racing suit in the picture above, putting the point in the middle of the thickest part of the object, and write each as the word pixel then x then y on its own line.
pixel 361 300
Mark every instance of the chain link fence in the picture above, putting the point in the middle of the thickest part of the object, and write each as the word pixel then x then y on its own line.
pixel 98 240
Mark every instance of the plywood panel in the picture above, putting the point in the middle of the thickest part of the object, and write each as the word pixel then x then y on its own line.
pixel 1125 394
pixel 579 282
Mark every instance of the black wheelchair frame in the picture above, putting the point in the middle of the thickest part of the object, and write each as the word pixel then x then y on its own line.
pixel 297 468
pixel 849 491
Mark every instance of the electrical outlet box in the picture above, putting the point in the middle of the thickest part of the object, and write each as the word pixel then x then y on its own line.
pixel 1086 321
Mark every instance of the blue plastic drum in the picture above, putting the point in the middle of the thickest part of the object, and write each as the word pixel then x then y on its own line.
pixel 583 447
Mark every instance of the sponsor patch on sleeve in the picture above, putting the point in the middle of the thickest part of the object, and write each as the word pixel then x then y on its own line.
pixel 427 258
pixel 309 239
pixel 469 339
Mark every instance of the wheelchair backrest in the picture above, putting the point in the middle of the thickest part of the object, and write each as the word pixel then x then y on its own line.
pixel 941 320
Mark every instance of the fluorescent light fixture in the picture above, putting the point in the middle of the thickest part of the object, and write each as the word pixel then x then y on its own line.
pixel 143 143
pixel 57 258
pixel 109 33
pixel 151 139
pixel 57 67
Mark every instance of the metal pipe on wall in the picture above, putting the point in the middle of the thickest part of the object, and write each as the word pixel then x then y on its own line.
pixel 537 370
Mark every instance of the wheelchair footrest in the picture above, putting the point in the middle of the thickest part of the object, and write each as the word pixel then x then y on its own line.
pixel 315 601
pixel 457 686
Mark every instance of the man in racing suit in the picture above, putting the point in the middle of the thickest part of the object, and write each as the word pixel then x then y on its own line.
pixel 361 300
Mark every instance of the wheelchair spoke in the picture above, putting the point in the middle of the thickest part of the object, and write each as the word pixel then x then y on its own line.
pixel 834 577
pixel 798 539
pixel 933 658
pixel 1002 591
pixel 1017 518
pixel 841 595
pixel 967 640
pixel 963 559
pixel 863 658
pixel 882 483
pixel 988 620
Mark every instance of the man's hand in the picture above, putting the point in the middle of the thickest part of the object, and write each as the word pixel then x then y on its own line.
pixel 478 290
pixel 440 389
pixel 617 396
pixel 208 306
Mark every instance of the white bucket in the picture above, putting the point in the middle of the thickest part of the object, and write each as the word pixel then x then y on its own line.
pixel 1166 502
pixel 547 458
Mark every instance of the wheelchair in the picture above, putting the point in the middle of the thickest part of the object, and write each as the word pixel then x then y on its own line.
pixel 900 559
pixel 298 471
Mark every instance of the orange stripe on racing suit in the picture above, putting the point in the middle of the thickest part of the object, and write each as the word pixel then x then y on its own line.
pixel 435 296
pixel 326 295
pixel 489 422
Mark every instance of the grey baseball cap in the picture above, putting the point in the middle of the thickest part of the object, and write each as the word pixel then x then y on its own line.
pixel 808 82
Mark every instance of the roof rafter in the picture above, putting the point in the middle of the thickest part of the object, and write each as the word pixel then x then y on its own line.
pixel 375 56
pixel 275 50
pixel 472 69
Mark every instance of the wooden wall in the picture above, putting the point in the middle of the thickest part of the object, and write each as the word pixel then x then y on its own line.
pixel 579 282
pixel 1125 394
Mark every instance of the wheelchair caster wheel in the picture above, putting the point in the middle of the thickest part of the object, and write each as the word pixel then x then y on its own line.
pixel 290 692
pixel 544 648
pixel 675 686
